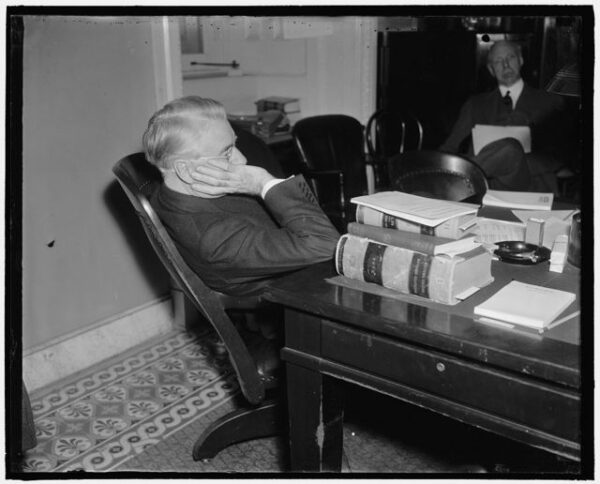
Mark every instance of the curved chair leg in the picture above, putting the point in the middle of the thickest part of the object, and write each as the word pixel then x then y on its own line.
pixel 245 424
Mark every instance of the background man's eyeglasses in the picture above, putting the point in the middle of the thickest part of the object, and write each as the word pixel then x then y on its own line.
pixel 501 61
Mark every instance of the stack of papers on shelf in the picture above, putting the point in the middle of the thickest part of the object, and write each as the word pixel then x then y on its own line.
pixel 522 200
pixel 484 134
pixel 523 304
pixel 421 210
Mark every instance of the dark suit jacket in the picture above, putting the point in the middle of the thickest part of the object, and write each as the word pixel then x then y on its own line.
pixel 237 244
pixel 540 110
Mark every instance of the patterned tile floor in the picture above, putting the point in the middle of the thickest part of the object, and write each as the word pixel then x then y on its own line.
pixel 103 418
pixel 142 412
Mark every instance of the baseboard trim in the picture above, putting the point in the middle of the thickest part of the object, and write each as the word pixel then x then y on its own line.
pixel 68 355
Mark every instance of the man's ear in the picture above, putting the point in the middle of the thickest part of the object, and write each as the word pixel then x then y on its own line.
pixel 181 168
pixel 491 70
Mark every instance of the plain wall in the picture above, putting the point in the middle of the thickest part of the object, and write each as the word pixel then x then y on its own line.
pixel 332 73
pixel 88 91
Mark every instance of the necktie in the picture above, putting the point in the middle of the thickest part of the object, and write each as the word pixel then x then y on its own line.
pixel 507 99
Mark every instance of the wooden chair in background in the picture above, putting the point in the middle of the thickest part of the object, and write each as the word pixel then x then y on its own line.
pixel 438 175
pixel 389 133
pixel 331 148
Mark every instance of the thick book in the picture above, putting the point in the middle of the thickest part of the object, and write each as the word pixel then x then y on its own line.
pixel 288 105
pixel 454 228
pixel 519 200
pixel 438 278
pixel 426 244
pixel 413 208
pixel 525 304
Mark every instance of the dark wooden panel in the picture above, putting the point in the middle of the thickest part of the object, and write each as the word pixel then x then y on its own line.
pixel 539 405
pixel 441 405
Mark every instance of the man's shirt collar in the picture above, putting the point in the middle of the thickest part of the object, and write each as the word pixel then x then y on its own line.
pixel 515 91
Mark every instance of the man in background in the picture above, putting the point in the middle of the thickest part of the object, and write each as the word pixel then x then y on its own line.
pixel 512 103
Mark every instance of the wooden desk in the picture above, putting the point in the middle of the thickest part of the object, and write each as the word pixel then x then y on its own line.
pixel 523 387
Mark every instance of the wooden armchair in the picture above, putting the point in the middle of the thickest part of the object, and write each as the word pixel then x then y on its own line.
pixel 263 417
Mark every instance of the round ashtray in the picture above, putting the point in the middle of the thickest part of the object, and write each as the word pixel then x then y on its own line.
pixel 518 252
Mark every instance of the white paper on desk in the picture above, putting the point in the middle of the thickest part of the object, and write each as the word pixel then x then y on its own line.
pixel 557 222
pixel 422 210
pixel 490 231
pixel 525 215
pixel 518 200
pixel 484 134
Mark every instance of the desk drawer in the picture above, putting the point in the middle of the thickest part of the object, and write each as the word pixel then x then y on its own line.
pixel 509 395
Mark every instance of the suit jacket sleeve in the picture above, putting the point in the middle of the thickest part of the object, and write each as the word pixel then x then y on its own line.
pixel 243 251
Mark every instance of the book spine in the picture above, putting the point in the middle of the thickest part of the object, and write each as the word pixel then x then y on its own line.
pixel 396 268
pixel 449 229
pixel 397 238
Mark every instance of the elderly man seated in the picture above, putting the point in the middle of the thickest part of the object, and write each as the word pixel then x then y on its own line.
pixel 513 103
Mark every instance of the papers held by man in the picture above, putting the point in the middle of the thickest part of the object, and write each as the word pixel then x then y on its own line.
pixel 484 134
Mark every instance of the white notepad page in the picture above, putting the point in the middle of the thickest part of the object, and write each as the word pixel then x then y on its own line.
pixel 526 304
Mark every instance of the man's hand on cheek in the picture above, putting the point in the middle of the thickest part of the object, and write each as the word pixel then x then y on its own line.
pixel 218 177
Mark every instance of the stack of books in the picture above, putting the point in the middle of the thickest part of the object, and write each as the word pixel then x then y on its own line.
pixel 414 245
pixel 287 105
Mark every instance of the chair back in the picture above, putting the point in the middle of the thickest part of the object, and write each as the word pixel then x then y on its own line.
pixel 388 133
pixel 333 142
pixel 139 179
pixel 391 132
pixel 438 175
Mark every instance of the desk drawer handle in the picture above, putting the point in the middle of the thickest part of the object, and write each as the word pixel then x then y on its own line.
pixel 440 367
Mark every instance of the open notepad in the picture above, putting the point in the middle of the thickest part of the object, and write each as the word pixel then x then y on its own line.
pixel 525 304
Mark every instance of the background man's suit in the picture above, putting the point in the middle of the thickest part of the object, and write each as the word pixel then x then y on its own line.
pixel 505 163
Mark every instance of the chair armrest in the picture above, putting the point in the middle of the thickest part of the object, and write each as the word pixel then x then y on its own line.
pixel 320 173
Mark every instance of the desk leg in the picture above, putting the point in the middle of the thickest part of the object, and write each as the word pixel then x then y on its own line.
pixel 316 418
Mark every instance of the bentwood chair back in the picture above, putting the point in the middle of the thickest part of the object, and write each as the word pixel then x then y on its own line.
pixel 438 175
pixel 331 149
pixel 139 179
pixel 388 133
